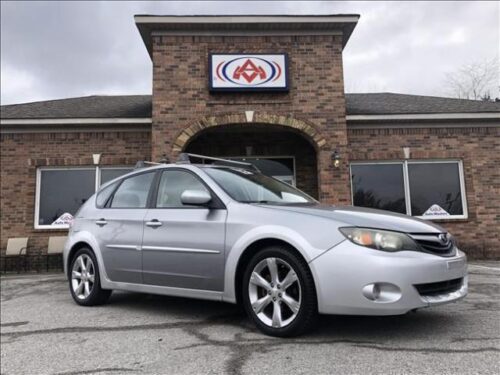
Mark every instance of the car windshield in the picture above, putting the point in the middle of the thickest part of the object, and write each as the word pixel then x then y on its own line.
pixel 247 186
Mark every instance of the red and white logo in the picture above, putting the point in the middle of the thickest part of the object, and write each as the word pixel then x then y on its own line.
pixel 249 71
pixel 267 72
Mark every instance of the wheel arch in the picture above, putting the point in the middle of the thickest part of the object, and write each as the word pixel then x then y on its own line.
pixel 74 249
pixel 251 250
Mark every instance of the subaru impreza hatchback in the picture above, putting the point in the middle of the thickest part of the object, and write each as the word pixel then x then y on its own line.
pixel 226 232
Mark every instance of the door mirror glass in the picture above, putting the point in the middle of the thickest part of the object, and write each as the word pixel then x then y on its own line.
pixel 195 197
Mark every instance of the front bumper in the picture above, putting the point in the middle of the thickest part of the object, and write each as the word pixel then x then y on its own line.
pixel 344 273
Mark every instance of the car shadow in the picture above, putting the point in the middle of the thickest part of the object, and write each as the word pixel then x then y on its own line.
pixel 368 328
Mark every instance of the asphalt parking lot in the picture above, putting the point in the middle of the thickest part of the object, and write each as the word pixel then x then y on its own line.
pixel 44 332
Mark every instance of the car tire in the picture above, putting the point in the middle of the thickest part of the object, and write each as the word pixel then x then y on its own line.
pixel 84 279
pixel 272 305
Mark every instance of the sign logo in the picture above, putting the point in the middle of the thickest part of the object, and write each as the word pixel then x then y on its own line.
pixel 435 210
pixel 248 72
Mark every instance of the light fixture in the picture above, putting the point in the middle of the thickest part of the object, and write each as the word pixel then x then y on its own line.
pixel 96 158
pixel 406 152
pixel 164 159
pixel 336 159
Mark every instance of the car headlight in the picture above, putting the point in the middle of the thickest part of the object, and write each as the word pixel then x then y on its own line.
pixel 379 239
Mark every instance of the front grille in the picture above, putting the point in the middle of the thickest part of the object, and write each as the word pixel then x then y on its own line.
pixel 441 287
pixel 435 243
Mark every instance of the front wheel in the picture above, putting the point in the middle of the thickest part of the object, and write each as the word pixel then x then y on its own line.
pixel 279 293
pixel 84 279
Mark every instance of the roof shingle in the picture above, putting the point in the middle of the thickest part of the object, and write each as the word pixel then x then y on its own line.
pixel 139 106
pixel 118 106
pixel 387 103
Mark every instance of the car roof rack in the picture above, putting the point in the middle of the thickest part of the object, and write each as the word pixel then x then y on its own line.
pixel 145 164
pixel 185 158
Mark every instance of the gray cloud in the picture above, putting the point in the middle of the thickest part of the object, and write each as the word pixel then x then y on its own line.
pixel 63 49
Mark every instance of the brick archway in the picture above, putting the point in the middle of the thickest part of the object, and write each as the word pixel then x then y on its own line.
pixel 308 130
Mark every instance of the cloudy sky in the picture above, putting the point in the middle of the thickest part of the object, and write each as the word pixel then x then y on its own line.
pixel 62 49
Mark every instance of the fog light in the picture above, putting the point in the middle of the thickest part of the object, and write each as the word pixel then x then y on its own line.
pixel 382 292
pixel 371 291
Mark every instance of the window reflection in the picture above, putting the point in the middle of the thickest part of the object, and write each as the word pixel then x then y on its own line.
pixel 63 191
pixel 435 186
pixel 379 186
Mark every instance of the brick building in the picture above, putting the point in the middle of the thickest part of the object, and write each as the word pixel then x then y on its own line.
pixel 435 158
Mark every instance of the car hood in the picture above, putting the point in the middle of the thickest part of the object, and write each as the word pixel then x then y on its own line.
pixel 366 217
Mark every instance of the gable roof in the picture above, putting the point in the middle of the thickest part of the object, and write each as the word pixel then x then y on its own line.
pixel 140 106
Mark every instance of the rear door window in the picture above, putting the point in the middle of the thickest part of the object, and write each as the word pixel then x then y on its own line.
pixel 133 192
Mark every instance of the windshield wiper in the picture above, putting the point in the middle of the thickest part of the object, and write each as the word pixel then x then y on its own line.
pixel 280 203
pixel 261 201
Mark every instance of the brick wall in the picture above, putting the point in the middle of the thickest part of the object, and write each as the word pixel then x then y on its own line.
pixel 181 97
pixel 478 148
pixel 21 154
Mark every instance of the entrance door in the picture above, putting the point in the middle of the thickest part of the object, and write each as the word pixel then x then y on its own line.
pixel 183 246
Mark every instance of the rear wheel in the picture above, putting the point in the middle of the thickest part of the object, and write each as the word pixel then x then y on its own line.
pixel 279 293
pixel 84 279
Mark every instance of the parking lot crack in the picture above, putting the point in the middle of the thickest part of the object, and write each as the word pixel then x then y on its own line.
pixel 14 324
pixel 80 329
pixel 241 348
pixel 428 350
pixel 98 370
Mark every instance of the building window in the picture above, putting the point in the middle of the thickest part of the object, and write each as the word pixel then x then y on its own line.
pixel 379 186
pixel 61 191
pixel 426 189
pixel 435 184
pixel 110 173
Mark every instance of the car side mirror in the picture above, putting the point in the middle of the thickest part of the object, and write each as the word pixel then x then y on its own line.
pixel 195 197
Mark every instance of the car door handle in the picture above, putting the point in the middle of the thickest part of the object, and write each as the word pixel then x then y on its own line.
pixel 154 223
pixel 101 222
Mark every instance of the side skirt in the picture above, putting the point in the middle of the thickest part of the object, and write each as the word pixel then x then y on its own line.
pixel 163 290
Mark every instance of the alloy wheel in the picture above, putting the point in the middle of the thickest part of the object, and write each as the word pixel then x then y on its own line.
pixel 274 292
pixel 83 276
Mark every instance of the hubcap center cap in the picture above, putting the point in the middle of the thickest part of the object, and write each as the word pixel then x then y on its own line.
pixel 275 293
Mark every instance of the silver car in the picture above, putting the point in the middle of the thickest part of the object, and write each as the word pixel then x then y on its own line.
pixel 224 231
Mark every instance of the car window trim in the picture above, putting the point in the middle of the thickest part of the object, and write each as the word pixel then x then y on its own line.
pixel 118 183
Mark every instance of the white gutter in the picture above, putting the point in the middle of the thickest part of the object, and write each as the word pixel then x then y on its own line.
pixel 243 19
pixel 77 121
pixel 426 116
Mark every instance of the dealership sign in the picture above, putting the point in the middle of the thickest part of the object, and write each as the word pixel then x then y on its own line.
pixel 255 72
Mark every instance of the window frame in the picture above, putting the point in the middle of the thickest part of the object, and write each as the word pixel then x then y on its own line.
pixel 406 183
pixel 97 186
pixel 38 191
